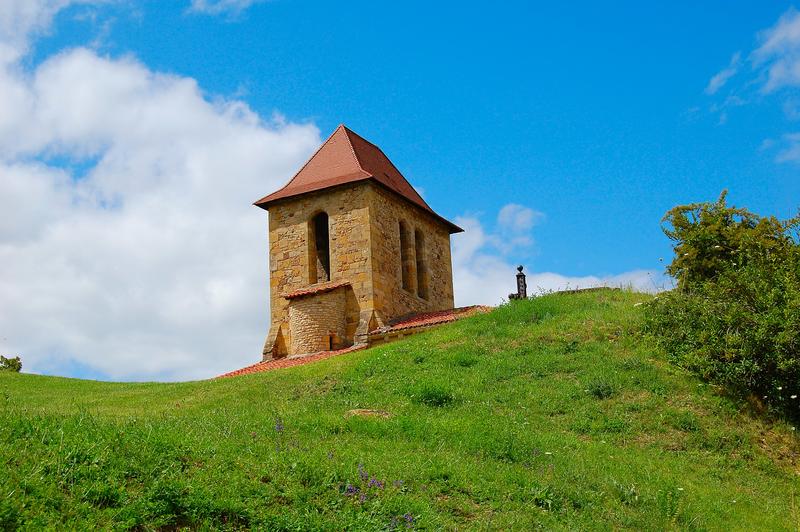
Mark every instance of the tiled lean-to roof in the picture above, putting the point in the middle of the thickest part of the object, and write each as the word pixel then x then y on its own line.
pixel 316 289
pixel 288 362
pixel 409 324
pixel 426 319
pixel 347 158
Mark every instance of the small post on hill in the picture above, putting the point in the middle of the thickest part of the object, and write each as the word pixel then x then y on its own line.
pixel 522 286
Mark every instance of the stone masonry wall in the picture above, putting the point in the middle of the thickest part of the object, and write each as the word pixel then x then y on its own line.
pixel 391 300
pixel 364 251
pixel 318 322
pixel 348 218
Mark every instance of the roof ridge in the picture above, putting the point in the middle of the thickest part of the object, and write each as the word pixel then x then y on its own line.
pixel 349 131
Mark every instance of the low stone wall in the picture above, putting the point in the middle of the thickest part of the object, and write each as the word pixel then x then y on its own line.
pixel 318 322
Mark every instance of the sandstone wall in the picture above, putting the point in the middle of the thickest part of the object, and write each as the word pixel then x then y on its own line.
pixel 365 251
pixel 318 322
pixel 391 299
pixel 348 218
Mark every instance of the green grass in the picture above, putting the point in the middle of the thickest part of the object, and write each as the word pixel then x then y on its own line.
pixel 549 413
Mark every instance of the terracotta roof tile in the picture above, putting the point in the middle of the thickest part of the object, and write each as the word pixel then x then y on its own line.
pixel 426 319
pixel 271 365
pixel 316 289
pixel 347 158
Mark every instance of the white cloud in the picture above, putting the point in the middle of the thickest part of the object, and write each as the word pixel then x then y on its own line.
pixel 220 7
pixel 482 274
pixel 517 218
pixel 722 77
pixel 139 255
pixel 779 52
pixel 513 227
pixel 22 19
pixel 790 148
pixel 128 243
pixel 774 69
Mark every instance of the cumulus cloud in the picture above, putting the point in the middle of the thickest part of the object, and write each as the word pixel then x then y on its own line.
pixel 517 218
pixel 483 274
pixel 514 224
pixel 220 7
pixel 22 19
pixel 129 248
pixel 128 244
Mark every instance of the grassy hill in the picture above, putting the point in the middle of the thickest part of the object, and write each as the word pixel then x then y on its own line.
pixel 547 413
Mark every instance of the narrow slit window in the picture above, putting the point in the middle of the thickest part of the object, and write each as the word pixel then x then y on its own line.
pixel 406 261
pixel 422 264
pixel 319 255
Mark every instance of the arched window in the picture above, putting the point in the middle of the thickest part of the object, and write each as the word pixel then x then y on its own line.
pixel 319 253
pixel 406 259
pixel 422 264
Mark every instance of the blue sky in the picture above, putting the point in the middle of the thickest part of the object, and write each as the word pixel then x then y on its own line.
pixel 589 120
pixel 595 116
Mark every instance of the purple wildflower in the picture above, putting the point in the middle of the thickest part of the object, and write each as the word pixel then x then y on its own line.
pixel 350 490
pixel 375 483
pixel 409 520
pixel 362 472
pixel 362 497
pixel 278 425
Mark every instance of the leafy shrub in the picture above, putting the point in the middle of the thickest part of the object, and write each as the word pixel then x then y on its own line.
pixel 10 364
pixel 735 317
pixel 711 238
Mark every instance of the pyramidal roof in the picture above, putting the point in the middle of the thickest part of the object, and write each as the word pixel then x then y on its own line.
pixel 346 158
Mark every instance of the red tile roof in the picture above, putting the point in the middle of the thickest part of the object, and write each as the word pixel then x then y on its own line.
pixel 426 319
pixel 316 289
pixel 270 365
pixel 346 158
pixel 415 321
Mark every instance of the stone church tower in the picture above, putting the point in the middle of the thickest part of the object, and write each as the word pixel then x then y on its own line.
pixel 352 247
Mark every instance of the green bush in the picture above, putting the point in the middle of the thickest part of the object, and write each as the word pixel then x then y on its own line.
pixel 712 238
pixel 735 317
pixel 10 364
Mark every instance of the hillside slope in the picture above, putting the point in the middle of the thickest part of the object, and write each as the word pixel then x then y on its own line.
pixel 545 413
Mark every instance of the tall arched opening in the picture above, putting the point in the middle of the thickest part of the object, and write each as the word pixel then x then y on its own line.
pixel 319 251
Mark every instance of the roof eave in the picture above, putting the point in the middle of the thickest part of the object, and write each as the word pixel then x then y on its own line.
pixel 265 202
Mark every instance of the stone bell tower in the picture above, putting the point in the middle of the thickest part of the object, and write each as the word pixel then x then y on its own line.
pixel 352 246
